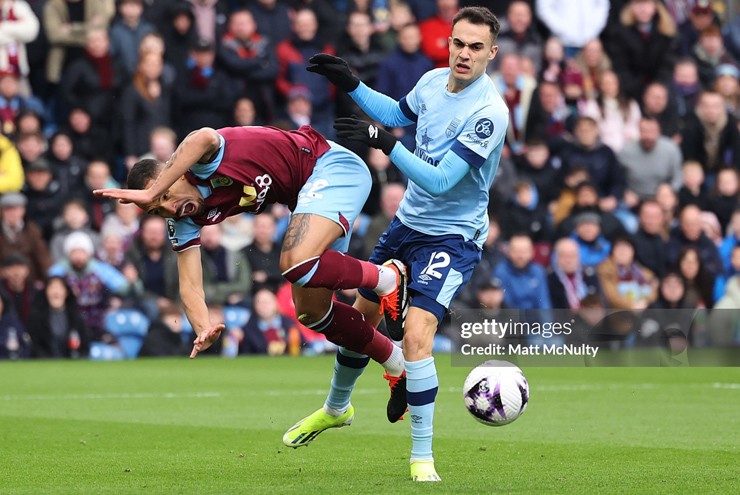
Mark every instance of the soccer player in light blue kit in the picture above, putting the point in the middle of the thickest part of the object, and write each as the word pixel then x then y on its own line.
pixel 442 222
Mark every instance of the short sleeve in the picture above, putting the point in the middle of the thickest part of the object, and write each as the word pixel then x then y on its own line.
pixel 205 170
pixel 183 233
pixel 482 133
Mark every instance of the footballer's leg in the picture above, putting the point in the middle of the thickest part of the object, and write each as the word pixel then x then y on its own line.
pixel 421 385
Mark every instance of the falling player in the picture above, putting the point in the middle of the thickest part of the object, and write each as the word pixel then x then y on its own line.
pixel 214 174
pixel 442 222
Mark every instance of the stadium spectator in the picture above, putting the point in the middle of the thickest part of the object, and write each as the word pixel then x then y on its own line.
pixel 568 280
pixel 724 196
pixel 526 213
pixel 92 81
pixel 267 331
pixel 126 32
pixel 28 122
pixel 162 143
pixel 689 234
pixel 249 56
pixel 11 168
pixel 524 282
pixel 164 336
pixel 227 279
pixel 625 283
pixel 436 30
pixel 205 95
pixel 68 168
pixel 617 115
pixel 293 54
pixel 700 17
pixel 517 89
pixel 592 62
pixel 18 26
pixel 210 18
pixel 144 106
pixel 720 283
pixel 694 190
pixel 21 236
pixel 727 84
pixel 709 53
pixel 642 45
pixel 45 196
pixel 245 113
pixel 699 282
pixel 732 238
pixel 536 165
pixel 651 160
pixel 711 135
pixel 603 168
pixel 12 102
pixel 391 194
pixel 650 238
pixel 17 286
pixel 91 281
pixel 298 109
pixel 264 253
pixel 179 36
pixel 67 24
pixel 563 207
pixel 520 36
pixel 549 117
pixel 14 341
pixel 668 200
pixel 111 249
pixel 74 218
pixel 156 265
pixel 685 89
pixel 98 176
pixel 124 220
pixel 593 246
pixel 56 327
pixel 656 104
pixel 272 18
pixel 574 22
pixel 89 141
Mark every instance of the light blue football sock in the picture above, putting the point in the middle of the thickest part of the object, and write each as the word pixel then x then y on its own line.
pixel 348 366
pixel 421 388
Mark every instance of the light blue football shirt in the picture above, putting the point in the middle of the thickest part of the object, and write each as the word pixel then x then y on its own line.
pixel 473 124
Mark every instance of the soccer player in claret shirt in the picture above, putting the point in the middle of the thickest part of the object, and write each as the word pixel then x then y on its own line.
pixel 214 174
pixel 442 222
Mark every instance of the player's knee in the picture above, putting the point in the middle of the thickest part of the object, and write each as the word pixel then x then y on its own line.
pixel 311 313
pixel 417 345
pixel 297 269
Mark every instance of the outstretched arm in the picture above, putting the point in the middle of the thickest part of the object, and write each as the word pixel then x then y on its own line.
pixel 193 298
pixel 199 146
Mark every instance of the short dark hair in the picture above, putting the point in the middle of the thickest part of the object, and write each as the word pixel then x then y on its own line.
pixel 479 15
pixel 142 172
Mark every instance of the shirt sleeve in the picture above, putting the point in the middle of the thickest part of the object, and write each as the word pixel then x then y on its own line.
pixel 205 170
pixel 382 108
pixel 183 233
pixel 434 180
pixel 483 132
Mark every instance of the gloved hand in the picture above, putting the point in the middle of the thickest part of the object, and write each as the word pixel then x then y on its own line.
pixel 358 130
pixel 335 70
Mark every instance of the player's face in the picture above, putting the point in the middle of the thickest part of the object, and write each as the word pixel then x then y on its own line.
pixel 471 48
pixel 181 200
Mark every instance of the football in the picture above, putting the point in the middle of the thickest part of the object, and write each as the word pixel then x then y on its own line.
pixel 496 393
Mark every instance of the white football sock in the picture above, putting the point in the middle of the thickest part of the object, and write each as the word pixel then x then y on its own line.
pixel 335 412
pixel 387 280
pixel 394 365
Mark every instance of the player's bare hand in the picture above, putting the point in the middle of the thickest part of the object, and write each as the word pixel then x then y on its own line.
pixel 206 339
pixel 138 196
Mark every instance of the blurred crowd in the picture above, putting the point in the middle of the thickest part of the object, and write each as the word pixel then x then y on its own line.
pixel 618 187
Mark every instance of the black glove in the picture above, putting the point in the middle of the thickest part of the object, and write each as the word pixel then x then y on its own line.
pixel 335 70
pixel 365 132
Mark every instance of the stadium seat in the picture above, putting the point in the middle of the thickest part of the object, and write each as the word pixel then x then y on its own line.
pixel 129 326
pixel 105 352
pixel 236 316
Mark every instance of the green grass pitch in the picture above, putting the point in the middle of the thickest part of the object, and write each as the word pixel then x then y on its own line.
pixel 215 426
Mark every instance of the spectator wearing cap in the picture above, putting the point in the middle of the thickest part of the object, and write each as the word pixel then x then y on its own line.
pixel 701 16
pixel 650 238
pixel 709 53
pixel 16 283
pixel 45 196
pixel 12 102
pixel 689 234
pixel 603 167
pixel 249 57
pixel 56 327
pixel 592 245
pixel 293 54
pixel 568 280
pixel 91 280
pixel 524 282
pixel 126 32
pixel 93 81
pixel 204 95
pixel 642 46
pixel 625 283
pixel 18 26
pixel 727 84
pixel 20 236
pixel 435 32
pixel 11 167
pixel 651 160
pixel 67 24
pixel 711 135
